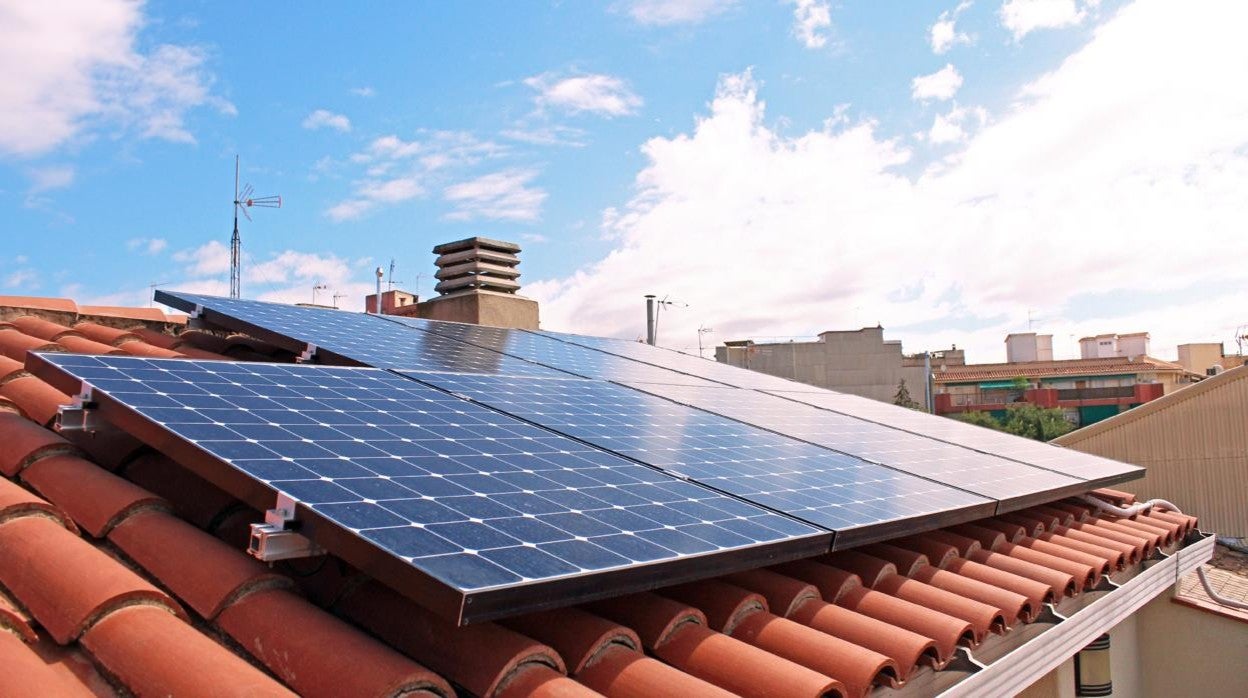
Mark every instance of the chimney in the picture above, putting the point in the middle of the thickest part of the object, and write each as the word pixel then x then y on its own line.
pixel 477 284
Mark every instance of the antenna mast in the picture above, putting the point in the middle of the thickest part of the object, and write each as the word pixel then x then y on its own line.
pixel 390 282
pixel 244 200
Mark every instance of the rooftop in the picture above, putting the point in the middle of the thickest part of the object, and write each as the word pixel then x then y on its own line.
pixel 127 575
pixel 1107 366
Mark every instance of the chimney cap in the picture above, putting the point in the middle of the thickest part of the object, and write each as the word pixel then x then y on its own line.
pixel 476 242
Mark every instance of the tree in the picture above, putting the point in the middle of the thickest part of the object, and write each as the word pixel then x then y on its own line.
pixel 980 419
pixel 903 399
pixel 1039 423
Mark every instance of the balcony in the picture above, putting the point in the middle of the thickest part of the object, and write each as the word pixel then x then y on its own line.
pixel 1126 391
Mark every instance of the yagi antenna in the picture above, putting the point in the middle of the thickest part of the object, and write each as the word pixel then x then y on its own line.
pixel 244 199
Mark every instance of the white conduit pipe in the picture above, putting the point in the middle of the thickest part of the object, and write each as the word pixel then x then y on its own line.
pixel 1162 504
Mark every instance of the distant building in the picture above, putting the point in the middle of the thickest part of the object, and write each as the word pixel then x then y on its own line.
pixel 860 362
pixel 1208 358
pixel 1114 375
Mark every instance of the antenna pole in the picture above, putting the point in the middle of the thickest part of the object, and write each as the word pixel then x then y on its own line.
pixel 235 242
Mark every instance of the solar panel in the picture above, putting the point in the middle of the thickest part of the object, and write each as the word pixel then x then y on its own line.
pixel 342 337
pixel 572 358
pixel 1095 471
pixel 862 502
pixel 468 510
pixel 1015 485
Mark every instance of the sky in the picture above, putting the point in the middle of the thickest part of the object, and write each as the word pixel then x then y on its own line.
pixel 952 171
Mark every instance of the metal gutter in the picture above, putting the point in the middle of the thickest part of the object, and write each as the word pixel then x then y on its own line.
pixel 1027 664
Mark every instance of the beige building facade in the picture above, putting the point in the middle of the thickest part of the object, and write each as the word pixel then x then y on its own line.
pixel 860 362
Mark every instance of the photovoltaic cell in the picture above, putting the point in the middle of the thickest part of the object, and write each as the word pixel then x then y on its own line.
pixel 477 500
pixel 573 358
pixel 1095 470
pixel 1015 485
pixel 861 501
pixel 358 338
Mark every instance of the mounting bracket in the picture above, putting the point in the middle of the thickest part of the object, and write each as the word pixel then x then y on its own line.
pixel 80 416
pixel 306 356
pixel 276 538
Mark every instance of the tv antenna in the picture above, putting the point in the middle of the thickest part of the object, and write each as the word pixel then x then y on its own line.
pixel 336 297
pixel 315 288
pixel 243 200
pixel 390 279
pixel 701 331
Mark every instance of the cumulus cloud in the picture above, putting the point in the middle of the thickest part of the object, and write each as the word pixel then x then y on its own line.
pixel 1119 174
pixel 942 84
pixel 944 35
pixel 147 246
pixel 604 95
pixel 951 127
pixel 497 196
pixel 668 12
pixel 74 74
pixel 322 118
pixel 284 277
pixel 1022 17
pixel 810 19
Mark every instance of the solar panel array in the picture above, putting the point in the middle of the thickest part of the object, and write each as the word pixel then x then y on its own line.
pixel 860 501
pixel 350 337
pixel 1015 485
pixel 463 494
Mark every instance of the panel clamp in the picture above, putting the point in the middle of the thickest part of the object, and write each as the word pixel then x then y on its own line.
pixel 276 538
pixel 81 416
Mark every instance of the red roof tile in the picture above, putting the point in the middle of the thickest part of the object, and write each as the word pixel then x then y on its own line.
pixel 95 498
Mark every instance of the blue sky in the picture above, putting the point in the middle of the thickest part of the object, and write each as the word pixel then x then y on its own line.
pixel 780 168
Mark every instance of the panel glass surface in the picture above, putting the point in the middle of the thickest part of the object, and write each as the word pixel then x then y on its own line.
pixel 963 468
pixel 824 488
pixel 678 361
pixel 1094 470
pixel 469 496
pixel 360 337
pixel 573 358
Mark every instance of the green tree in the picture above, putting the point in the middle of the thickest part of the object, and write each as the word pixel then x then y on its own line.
pixel 979 419
pixel 1039 423
pixel 903 399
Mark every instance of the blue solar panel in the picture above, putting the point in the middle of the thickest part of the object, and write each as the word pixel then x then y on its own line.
pixel 861 501
pixel 572 358
pixel 338 336
pixel 1015 485
pixel 459 493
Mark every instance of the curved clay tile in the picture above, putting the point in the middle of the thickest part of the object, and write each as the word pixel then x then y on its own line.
pixel 784 595
pixel 26 442
pixel 200 340
pixel 577 635
pixel 907 649
pixel 1174 530
pixel 907 562
pixel 10 368
pixel 742 668
pixel 320 655
pixel 37 399
pixel 1154 535
pixel 540 681
pixel 43 329
pixel 152 652
pixel 1031 517
pixel 478 657
pixel 1122 553
pixel 57 305
pixel 1186 522
pixel 14 343
pixel 871 570
pixel 1086 575
pixel 1063 516
pixel 128 313
pixel 104 334
pixel 1060 583
pixel 938 554
pixel 724 605
pixel 982 617
pixel 82 345
pixel 1142 547
pixel 95 498
pixel 159 339
pixel 654 618
pixel 1036 593
pixel 1117 497
pixel 1012 531
pixel 1106 527
pixel 1102 564
pixel 1033 526
pixel 16 502
pixel 26 673
pixel 202 571
pixel 991 539
pixel 44 567
pixel 1081 512
pixel 619 671
pixel 1014 606
pixel 138 348
pixel 832 583
pixel 965 545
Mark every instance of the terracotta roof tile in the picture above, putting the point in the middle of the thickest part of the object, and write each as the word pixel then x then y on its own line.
pixel 104 334
pixel 540 681
pixel 194 499
pixel 26 442
pixel 95 498
pixel 26 675
pixel 577 635
pixel 59 305
pixel 15 621
pixel 163 340
pixel 37 399
pixel 16 502
pixel 654 618
pixel 124 313
pixel 320 655
pixel 153 652
pixel 14 343
pixel 82 345
pixel 205 573
pixel 41 328
pixel 478 657
pixel 45 565
pixel 618 671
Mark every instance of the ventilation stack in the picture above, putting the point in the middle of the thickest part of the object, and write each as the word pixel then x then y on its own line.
pixel 477 283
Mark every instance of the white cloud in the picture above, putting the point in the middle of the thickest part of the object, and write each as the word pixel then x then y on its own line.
pixel 285 277
pixel 21 278
pixel 810 19
pixel 942 84
pixel 950 127
pixel 944 35
pixel 548 135
pixel 363 91
pixel 1120 172
pixel 667 12
pixel 48 178
pixel 397 170
pixel 147 246
pixel 72 74
pixel 322 118
pixel 209 259
pixel 1022 17
pixel 596 94
pixel 497 196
